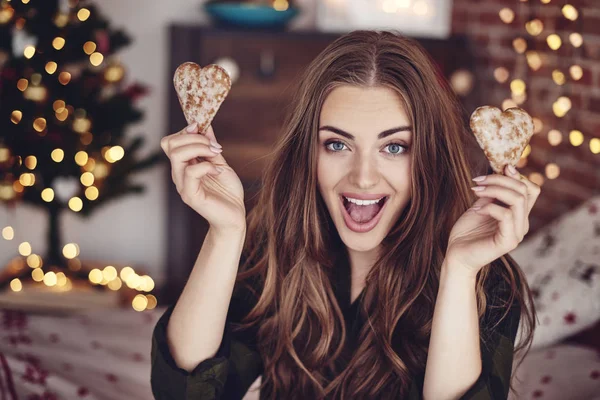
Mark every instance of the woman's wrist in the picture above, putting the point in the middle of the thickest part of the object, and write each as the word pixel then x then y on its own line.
pixel 230 232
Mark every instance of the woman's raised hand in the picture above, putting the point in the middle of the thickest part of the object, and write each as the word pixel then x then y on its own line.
pixel 203 178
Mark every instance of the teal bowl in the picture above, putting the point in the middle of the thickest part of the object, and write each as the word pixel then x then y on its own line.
pixel 249 16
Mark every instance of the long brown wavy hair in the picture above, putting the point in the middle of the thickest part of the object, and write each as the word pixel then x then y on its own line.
pixel 292 245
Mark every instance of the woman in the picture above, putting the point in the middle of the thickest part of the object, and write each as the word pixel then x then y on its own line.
pixel 336 296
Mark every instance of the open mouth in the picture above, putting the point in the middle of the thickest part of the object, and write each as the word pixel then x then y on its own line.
pixel 362 217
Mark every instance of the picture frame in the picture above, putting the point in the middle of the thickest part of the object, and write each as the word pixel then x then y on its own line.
pixel 417 18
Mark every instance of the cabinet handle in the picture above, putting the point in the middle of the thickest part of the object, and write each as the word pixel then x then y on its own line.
pixel 266 69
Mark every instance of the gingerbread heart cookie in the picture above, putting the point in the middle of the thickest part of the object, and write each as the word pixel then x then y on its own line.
pixel 201 91
pixel 502 135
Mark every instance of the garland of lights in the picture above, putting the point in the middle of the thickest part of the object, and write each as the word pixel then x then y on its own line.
pixel 562 105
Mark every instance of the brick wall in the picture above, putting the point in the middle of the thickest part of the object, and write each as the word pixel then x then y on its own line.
pixel 492 41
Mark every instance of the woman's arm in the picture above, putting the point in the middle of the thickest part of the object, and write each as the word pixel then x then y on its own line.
pixel 195 329
pixel 454 356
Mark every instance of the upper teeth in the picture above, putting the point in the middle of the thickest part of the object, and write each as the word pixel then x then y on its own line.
pixel 363 202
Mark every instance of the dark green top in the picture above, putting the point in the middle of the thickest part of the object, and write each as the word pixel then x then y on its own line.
pixel 237 364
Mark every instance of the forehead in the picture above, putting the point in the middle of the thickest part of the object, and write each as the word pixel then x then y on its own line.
pixel 353 107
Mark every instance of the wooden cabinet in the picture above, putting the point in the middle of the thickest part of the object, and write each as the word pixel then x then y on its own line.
pixel 249 120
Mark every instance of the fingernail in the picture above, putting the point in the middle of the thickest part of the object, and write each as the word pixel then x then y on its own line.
pixel 215 144
pixel 512 169
pixel 479 178
pixel 215 150
pixel 191 128
pixel 478 188
pixel 475 208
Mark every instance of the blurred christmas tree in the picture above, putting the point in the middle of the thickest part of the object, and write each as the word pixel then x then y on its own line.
pixel 64 110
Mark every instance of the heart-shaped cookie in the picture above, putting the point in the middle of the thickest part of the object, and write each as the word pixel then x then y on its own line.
pixel 502 135
pixel 201 91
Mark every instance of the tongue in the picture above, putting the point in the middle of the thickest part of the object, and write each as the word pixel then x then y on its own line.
pixel 362 214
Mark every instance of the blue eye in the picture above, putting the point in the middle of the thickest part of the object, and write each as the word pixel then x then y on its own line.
pixel 399 146
pixel 398 149
pixel 334 143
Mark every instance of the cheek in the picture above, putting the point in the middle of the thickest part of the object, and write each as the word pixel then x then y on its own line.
pixel 328 171
pixel 399 176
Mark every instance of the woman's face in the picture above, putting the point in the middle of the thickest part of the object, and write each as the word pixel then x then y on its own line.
pixel 364 144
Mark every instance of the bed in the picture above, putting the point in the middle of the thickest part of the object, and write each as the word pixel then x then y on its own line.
pixel 105 353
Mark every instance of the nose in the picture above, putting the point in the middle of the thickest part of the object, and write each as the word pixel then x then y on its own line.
pixel 364 173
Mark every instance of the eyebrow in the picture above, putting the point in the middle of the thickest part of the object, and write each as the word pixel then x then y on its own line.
pixel 381 135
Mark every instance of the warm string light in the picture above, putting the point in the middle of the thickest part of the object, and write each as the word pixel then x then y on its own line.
pixel 576 72
pixel 96 59
pixel 113 154
pixel 113 279
pixel 47 195
pixel 58 43
pixel 554 137
pixel 81 158
pixel 6 14
pixel 560 76
pixel 75 204
pixel 70 250
pixel 30 162
pixel 4 154
pixel 561 106
pixel 576 138
pixel 507 15
pixel 34 261
pixel 114 73
pixel 22 84
pixel 281 5
pixel 39 124
pixel 570 12
pixel 83 14
pixel 51 67
pixel 92 193
pixel 8 233
pixel 64 78
pixel 57 155
pixel 89 47
pixel 501 74
pixel 534 60
pixel 61 20
pixel 595 145
pixel 108 276
pixel 16 116
pixel 29 52
pixel 534 27
pixel 554 41
pixel 520 45
pixel 27 179
pixel 25 249
pixel 576 39
pixel 16 285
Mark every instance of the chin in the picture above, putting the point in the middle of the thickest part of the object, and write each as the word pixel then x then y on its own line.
pixel 361 244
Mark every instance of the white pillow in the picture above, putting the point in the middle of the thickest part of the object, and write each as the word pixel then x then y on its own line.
pixel 562 265
pixel 557 373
